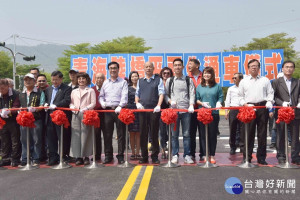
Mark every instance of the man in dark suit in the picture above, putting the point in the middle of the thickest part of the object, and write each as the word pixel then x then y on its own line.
pixel 287 93
pixel 58 95
pixel 100 78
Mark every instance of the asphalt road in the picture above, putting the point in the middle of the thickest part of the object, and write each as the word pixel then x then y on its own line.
pixel 185 182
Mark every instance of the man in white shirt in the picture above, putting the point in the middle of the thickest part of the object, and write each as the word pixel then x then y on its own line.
pixel 232 100
pixel 256 90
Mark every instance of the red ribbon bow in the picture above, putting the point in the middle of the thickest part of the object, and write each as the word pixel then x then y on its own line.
pixel 60 118
pixel 26 119
pixel 285 114
pixel 169 116
pixel 2 123
pixel 126 116
pixel 204 116
pixel 91 118
pixel 246 114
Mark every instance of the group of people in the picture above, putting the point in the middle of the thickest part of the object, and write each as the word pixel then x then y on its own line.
pixel 153 91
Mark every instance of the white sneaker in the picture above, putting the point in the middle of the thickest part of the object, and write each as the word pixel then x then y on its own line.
pixel 188 160
pixel 174 159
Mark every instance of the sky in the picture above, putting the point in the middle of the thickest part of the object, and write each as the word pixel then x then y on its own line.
pixel 195 26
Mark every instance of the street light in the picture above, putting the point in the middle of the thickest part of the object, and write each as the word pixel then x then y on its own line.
pixel 14 53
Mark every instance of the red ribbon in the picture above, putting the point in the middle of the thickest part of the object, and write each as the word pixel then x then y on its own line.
pixel 169 116
pixel 204 115
pixel 26 119
pixel 2 123
pixel 285 114
pixel 60 118
pixel 246 114
pixel 126 116
pixel 91 118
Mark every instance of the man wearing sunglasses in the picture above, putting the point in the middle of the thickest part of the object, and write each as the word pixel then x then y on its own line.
pixel 232 100
pixel 42 85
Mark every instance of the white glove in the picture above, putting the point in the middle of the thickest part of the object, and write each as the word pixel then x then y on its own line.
pixel 118 109
pixel 73 107
pixel 5 111
pixel 31 109
pixel 4 116
pixel 173 104
pixel 156 109
pixel 206 105
pixel 285 104
pixel 103 104
pixel 83 110
pixel 52 107
pixel 218 105
pixel 298 105
pixel 139 106
pixel 269 105
pixel 251 105
pixel 46 105
pixel 191 109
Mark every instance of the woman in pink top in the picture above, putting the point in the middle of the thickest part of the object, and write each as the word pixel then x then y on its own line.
pixel 82 98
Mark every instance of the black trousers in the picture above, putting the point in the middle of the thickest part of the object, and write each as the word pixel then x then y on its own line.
pixel 53 137
pixel 10 141
pixel 260 123
pixel 150 121
pixel 98 135
pixel 280 140
pixel 234 128
pixel 110 119
pixel 212 135
pixel 194 126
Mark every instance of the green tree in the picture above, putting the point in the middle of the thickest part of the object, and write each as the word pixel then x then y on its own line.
pixel 24 69
pixel 64 63
pixel 6 65
pixel 129 44
pixel 274 41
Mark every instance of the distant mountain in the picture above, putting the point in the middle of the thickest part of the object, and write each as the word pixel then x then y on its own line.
pixel 46 55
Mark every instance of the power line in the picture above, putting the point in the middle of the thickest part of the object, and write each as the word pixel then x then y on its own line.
pixel 226 31
pixel 44 41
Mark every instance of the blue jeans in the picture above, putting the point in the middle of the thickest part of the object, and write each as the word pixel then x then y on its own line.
pixel 185 119
pixel 35 138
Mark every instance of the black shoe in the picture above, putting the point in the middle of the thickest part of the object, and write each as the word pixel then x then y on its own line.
pixel 262 162
pixel 86 161
pixel 15 163
pixel 201 158
pixel 281 160
pixel 155 161
pixel 296 162
pixel 273 145
pixel 290 144
pixel 120 160
pixel 97 158
pixel 4 163
pixel 23 164
pixel 36 163
pixel 52 162
pixel 107 160
pixel 79 161
pixel 143 161
pixel 232 151
pixel 244 160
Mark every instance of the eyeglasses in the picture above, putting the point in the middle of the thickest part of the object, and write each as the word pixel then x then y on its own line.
pixel 233 78
pixel 42 81
pixel 166 73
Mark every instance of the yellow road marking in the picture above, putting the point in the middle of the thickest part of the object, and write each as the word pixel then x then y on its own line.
pixel 143 189
pixel 129 184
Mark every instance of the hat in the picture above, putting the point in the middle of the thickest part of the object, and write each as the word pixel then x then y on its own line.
pixel 73 70
pixel 29 75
